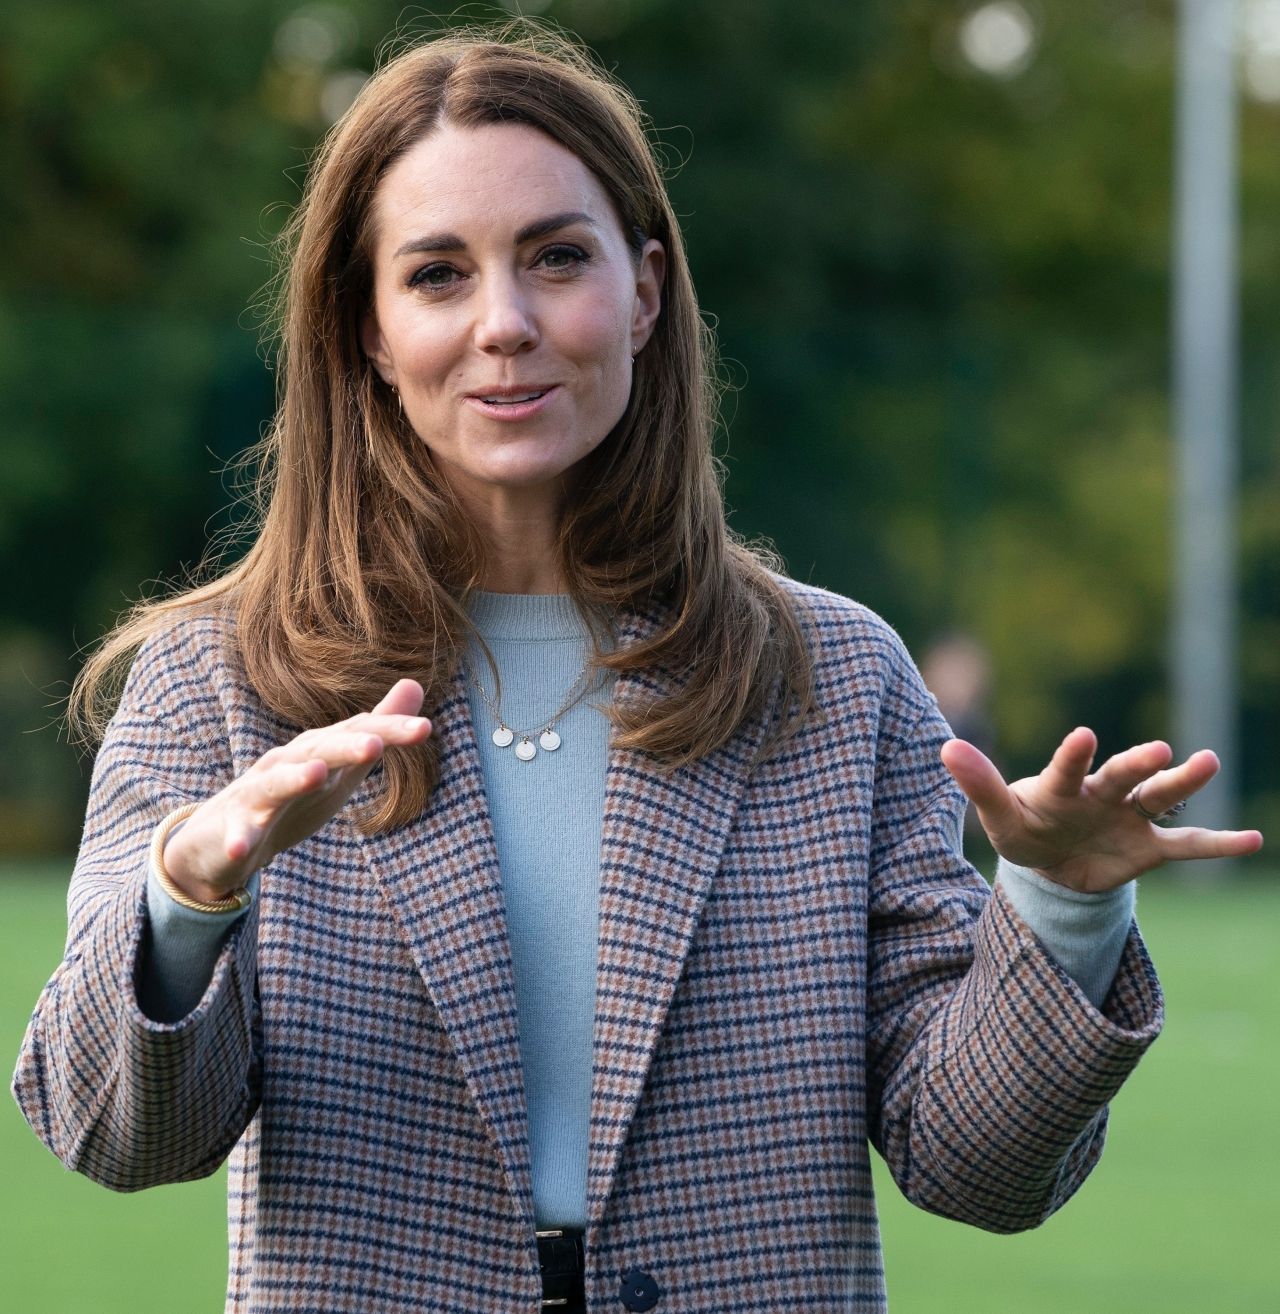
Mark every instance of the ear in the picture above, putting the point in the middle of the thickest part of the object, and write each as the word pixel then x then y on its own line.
pixel 375 347
pixel 650 275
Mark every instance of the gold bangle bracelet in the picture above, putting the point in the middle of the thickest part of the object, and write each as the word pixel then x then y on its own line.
pixel 232 902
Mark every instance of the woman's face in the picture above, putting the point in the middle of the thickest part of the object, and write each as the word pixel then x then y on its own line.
pixel 506 305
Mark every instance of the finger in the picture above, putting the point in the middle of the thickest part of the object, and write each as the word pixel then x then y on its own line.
pixel 1185 843
pixel 982 783
pixel 267 795
pixel 264 800
pixel 240 842
pixel 347 748
pixel 1167 788
pixel 264 793
pixel 394 728
pixel 273 755
pixel 270 783
pixel 404 697
pixel 247 825
pixel 396 714
pixel 330 740
pixel 1070 763
pixel 1115 779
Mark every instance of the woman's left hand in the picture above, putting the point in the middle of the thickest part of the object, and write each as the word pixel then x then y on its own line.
pixel 1080 828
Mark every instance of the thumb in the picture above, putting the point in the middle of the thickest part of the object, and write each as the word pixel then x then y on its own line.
pixel 982 783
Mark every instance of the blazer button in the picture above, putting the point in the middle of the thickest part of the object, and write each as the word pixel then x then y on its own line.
pixel 637 1290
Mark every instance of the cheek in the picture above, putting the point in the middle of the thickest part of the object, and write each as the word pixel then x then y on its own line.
pixel 423 348
pixel 598 335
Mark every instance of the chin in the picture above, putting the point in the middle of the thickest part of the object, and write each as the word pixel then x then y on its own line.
pixel 527 470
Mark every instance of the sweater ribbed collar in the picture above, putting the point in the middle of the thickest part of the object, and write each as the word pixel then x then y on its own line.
pixel 546 616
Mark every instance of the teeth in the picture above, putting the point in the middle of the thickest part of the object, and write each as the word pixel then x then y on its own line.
pixel 511 401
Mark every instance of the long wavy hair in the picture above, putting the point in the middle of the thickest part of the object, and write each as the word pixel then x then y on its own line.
pixel 362 558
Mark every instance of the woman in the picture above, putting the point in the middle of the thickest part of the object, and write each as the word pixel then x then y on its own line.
pixel 590 989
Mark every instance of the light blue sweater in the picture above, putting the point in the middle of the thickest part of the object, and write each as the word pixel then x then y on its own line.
pixel 547 818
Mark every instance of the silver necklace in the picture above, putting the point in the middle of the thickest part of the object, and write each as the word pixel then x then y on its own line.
pixel 504 736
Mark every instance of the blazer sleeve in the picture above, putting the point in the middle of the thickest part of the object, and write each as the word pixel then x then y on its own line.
pixel 989 1069
pixel 126 1100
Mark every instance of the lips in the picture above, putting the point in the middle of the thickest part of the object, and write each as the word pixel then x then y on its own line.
pixel 511 402
pixel 509 396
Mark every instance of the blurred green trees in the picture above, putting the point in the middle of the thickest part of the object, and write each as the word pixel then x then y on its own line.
pixel 942 296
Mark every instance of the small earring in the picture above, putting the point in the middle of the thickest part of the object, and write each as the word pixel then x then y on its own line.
pixel 399 399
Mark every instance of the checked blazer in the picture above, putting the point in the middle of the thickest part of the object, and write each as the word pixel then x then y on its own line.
pixel 794 960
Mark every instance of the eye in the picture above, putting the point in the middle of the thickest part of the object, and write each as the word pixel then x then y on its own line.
pixel 563 257
pixel 438 275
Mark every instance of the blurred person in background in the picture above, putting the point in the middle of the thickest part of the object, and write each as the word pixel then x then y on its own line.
pixel 592 988
pixel 956 670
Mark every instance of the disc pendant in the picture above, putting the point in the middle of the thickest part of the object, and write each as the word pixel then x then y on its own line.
pixel 502 736
pixel 525 751
pixel 549 740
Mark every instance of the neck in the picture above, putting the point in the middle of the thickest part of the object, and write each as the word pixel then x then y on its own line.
pixel 518 566
pixel 520 527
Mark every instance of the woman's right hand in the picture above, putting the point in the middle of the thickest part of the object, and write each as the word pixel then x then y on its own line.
pixel 286 795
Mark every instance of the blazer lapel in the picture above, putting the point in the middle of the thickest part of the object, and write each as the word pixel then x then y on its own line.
pixel 661 845
pixel 440 873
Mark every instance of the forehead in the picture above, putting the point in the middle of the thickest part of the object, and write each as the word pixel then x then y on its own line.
pixel 493 177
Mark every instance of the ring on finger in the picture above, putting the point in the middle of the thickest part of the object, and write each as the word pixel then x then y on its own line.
pixel 1135 800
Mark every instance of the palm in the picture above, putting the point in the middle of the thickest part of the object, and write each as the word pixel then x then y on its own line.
pixel 1077 826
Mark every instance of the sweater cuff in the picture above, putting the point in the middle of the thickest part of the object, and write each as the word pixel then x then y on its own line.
pixel 181 951
pixel 1085 934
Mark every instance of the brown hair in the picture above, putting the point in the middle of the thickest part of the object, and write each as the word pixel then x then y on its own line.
pixel 334 601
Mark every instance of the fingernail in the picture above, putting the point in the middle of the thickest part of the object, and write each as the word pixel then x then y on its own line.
pixel 415 722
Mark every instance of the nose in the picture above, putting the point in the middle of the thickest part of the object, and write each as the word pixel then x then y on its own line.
pixel 505 321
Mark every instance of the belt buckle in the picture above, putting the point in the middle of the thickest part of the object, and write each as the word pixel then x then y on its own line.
pixel 549 1302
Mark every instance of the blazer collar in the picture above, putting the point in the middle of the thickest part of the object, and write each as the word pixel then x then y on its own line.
pixel 661 844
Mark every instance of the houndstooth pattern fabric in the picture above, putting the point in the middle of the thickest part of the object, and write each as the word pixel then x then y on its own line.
pixel 794 959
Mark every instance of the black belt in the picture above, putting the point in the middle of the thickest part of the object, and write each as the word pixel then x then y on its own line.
pixel 560 1256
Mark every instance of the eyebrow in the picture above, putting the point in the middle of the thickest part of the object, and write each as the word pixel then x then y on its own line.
pixel 538 228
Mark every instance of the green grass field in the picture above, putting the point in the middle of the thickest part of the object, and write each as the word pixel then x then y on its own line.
pixel 1180 1216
